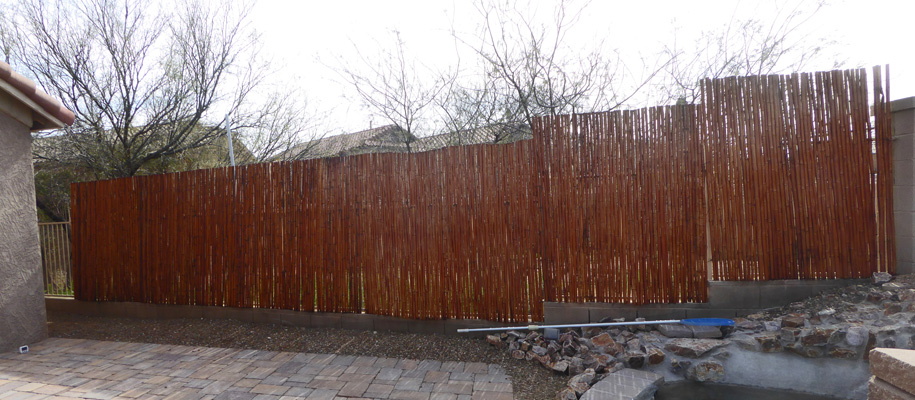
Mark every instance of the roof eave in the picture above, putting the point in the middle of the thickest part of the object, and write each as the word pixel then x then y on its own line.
pixel 41 119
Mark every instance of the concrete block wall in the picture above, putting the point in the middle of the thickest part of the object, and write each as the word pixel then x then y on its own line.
pixel 904 182
pixel 726 299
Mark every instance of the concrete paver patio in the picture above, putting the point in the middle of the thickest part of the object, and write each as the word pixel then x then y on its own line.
pixel 89 369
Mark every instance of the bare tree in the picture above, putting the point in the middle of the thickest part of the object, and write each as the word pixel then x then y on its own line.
pixel 744 47
pixel 281 128
pixel 530 70
pixel 143 85
pixel 395 88
pixel 479 113
pixel 6 34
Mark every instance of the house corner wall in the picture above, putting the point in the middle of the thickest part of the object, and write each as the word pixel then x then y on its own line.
pixel 23 318
pixel 904 182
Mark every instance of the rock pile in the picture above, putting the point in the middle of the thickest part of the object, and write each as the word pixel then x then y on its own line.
pixel 844 323
pixel 590 354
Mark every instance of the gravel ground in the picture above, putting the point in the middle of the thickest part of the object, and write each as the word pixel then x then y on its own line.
pixel 529 380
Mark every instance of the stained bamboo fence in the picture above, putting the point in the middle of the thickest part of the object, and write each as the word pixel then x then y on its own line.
pixel 798 178
pixel 768 178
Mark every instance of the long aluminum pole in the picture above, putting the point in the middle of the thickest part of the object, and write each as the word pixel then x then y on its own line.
pixel 536 327
pixel 229 136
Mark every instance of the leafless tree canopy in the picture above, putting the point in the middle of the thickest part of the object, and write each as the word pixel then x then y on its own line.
pixel 141 84
pixel 396 88
pixel 283 127
pixel 521 69
pixel 530 70
pixel 744 47
pixel 148 86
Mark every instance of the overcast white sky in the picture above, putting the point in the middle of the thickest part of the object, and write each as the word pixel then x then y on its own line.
pixel 304 38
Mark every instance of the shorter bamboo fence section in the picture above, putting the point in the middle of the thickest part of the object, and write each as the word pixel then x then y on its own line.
pixel 775 177
pixel 54 239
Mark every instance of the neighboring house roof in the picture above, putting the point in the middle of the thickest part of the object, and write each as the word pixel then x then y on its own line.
pixel 390 139
pixel 491 134
pixel 48 113
pixel 383 139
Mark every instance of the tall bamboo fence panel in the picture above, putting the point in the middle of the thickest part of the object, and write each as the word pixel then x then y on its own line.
pixel 443 234
pixel 798 180
pixel 623 209
pixel 772 177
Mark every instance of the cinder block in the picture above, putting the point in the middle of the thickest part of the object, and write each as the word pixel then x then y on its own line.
pixel 900 105
pixel 894 366
pixel 117 309
pixel 196 311
pixel 905 249
pixel 903 147
pixel 798 291
pixel 734 294
pixel 903 224
pixel 904 122
pixel 902 171
pixel 712 313
pixel 652 314
pixel 905 267
pixel 903 199
pixel 220 313
pixel 773 296
pixel 390 324
pixel 254 315
pixel 597 313
pixel 56 304
pixel 325 320
pixel 819 286
pixel 427 326
pixel 290 317
pixel 565 313
pixel 364 322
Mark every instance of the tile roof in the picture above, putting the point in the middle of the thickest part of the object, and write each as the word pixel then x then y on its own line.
pixel 386 138
pixel 48 104
pixel 491 134
pixel 389 139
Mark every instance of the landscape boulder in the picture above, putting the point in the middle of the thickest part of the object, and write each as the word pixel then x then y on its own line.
pixel 634 359
pixel 694 348
pixel 655 356
pixel 706 332
pixel 582 382
pixel 602 340
pixel 561 367
pixel 880 278
pixel 706 371
pixel 793 321
pixel 675 330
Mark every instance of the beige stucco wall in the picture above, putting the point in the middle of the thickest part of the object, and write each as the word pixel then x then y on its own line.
pixel 22 310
